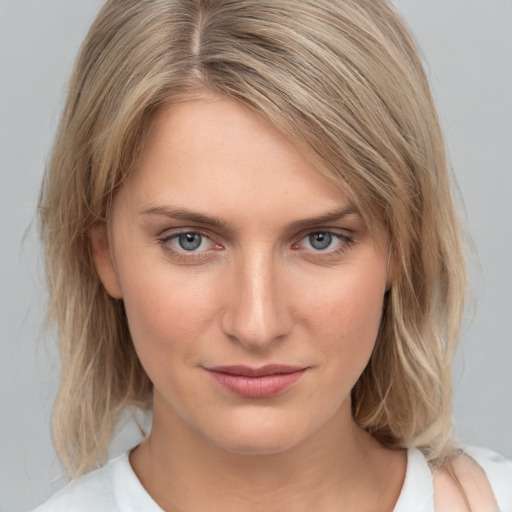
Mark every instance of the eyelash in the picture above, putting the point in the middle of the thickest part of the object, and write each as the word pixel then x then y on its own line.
pixel 183 254
pixel 344 240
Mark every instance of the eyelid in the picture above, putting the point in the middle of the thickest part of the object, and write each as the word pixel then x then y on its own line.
pixel 338 232
pixel 170 235
pixel 344 236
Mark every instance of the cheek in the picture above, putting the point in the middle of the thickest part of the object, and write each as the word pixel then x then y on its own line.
pixel 346 315
pixel 167 314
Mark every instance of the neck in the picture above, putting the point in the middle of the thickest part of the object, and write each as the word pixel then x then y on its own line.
pixel 330 470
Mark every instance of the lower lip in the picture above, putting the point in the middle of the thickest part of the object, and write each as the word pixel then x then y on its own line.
pixel 257 387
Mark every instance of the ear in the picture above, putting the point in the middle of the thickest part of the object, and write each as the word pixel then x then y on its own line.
pixel 103 262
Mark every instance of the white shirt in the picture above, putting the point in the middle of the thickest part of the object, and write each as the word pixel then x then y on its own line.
pixel 116 488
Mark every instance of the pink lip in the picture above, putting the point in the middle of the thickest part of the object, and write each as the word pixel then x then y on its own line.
pixel 262 382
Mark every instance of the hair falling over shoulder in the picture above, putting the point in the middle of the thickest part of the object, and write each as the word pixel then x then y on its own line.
pixel 343 80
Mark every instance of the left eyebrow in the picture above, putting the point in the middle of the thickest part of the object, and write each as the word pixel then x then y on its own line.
pixel 216 222
pixel 332 216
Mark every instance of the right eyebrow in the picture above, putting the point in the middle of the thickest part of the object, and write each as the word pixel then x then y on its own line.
pixel 187 215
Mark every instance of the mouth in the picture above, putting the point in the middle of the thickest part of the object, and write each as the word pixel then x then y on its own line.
pixel 250 382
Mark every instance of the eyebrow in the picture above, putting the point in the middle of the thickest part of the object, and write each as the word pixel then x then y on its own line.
pixel 184 214
pixel 331 216
pixel 216 222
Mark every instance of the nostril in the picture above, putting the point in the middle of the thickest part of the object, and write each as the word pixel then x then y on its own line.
pixel 257 310
pixel 256 325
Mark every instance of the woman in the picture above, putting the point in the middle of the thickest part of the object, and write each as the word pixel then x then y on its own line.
pixel 253 249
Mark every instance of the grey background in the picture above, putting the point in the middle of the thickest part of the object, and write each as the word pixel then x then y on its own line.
pixel 468 45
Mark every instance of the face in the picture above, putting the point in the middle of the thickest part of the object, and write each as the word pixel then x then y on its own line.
pixel 252 287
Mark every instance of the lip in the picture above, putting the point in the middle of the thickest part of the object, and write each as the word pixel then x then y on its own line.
pixel 262 382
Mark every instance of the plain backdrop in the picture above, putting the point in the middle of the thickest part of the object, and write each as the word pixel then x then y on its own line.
pixel 468 48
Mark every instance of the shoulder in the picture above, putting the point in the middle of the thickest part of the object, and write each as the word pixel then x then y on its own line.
pixel 478 479
pixel 498 470
pixel 90 492
pixel 94 491
pixel 113 488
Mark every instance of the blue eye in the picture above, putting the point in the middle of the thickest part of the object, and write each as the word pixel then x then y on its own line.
pixel 320 240
pixel 189 241
pixel 324 241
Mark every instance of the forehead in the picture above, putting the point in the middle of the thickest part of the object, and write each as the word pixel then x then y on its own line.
pixel 214 154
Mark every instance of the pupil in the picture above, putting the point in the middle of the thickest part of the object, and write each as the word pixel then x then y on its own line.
pixel 189 241
pixel 320 241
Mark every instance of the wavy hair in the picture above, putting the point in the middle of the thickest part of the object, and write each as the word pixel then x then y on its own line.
pixel 343 80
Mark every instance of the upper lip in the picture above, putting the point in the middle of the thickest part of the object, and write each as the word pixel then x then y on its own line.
pixel 261 371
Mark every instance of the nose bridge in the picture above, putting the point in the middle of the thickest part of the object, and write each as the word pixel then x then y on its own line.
pixel 257 313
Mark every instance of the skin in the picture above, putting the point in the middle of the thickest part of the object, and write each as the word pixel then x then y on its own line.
pixel 255 291
pixel 468 476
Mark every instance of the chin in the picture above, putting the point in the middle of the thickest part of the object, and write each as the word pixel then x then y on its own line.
pixel 262 446
pixel 259 436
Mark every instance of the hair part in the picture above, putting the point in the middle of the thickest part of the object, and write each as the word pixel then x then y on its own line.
pixel 344 82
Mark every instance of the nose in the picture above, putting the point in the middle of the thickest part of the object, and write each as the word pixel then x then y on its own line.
pixel 257 303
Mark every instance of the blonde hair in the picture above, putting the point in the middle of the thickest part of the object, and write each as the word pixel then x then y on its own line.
pixel 340 78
